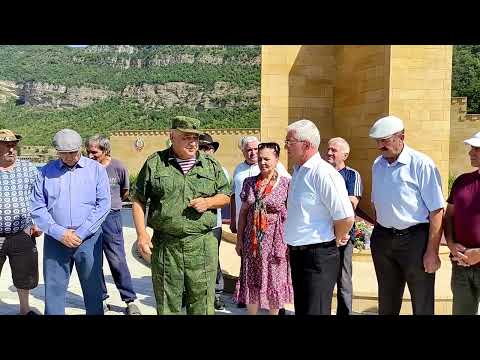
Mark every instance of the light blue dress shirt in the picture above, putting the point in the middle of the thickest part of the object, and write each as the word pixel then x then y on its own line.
pixel 71 198
pixel 406 191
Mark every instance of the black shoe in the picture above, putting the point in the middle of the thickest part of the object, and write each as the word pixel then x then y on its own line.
pixel 31 312
pixel 132 309
pixel 219 304
pixel 241 306
pixel 281 312
pixel 106 307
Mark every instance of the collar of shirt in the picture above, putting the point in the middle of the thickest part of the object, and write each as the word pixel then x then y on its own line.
pixel 309 163
pixel 404 158
pixel 81 163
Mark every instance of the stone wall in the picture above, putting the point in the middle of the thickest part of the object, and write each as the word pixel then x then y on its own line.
pixel 344 89
pixel 420 94
pixel 462 126
pixel 123 146
pixel 361 97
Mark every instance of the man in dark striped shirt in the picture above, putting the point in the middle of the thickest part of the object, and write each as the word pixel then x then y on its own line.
pixel 337 152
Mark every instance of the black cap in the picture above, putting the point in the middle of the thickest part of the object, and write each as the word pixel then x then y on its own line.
pixel 205 139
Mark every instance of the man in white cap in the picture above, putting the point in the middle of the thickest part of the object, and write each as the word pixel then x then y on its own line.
pixel 408 203
pixel 462 232
pixel 70 200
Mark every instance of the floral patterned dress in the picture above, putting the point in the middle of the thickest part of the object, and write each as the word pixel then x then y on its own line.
pixel 265 278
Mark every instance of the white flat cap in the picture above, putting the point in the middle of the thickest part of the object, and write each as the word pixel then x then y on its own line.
pixel 474 140
pixel 67 140
pixel 386 127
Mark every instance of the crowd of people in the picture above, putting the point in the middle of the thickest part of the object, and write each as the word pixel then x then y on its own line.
pixel 295 232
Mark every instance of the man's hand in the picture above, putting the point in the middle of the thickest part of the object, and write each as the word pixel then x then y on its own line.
pixel 35 231
pixel 431 262
pixel 239 247
pixel 455 248
pixel 144 244
pixel 199 204
pixel 470 256
pixel 343 241
pixel 70 239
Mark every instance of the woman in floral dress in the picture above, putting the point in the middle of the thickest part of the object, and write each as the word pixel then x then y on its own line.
pixel 265 280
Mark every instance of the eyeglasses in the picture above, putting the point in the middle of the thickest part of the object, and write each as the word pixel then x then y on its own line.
pixel 289 142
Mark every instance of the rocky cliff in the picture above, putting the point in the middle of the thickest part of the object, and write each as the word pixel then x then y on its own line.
pixel 158 96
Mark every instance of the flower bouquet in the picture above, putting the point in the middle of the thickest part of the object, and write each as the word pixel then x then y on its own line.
pixel 363 231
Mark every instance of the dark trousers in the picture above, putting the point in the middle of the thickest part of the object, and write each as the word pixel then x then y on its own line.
pixel 314 273
pixel 466 289
pixel 58 263
pixel 217 232
pixel 344 280
pixel 398 259
pixel 114 249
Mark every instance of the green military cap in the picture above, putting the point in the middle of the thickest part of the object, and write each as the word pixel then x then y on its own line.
pixel 186 124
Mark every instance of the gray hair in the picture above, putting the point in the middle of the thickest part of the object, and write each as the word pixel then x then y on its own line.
pixel 102 142
pixel 342 142
pixel 305 130
pixel 244 140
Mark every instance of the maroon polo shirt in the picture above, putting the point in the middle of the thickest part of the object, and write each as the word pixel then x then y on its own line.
pixel 465 196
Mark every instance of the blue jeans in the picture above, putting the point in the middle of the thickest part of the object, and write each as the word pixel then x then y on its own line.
pixel 58 261
pixel 114 249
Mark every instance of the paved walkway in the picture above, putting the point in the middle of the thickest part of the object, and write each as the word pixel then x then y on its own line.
pixel 141 276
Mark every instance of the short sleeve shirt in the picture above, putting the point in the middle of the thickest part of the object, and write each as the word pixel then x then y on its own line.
pixel 465 196
pixel 353 182
pixel 316 198
pixel 16 186
pixel 407 190
pixel 118 177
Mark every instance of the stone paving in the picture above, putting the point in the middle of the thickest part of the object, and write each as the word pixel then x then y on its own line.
pixel 75 306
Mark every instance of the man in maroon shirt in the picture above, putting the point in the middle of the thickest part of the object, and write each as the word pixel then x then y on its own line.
pixel 462 232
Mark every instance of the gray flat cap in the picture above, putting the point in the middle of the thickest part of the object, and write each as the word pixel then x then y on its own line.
pixel 67 140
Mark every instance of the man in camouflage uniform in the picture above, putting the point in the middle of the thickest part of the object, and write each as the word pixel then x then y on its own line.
pixel 185 188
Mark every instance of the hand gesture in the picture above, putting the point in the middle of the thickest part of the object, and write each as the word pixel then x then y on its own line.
pixel 343 241
pixel 233 226
pixel 199 204
pixel 144 245
pixel 35 231
pixel 70 239
pixel 239 247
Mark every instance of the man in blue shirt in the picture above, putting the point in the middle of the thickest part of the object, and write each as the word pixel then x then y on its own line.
pixel 337 152
pixel 71 199
pixel 408 202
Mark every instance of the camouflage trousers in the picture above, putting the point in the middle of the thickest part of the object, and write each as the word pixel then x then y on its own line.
pixel 189 266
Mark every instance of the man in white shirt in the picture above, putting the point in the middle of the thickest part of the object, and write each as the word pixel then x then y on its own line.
pixel 408 203
pixel 319 219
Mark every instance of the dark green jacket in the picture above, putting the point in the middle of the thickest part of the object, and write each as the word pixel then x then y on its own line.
pixel 162 181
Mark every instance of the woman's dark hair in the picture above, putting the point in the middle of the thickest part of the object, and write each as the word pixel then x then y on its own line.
pixel 270 145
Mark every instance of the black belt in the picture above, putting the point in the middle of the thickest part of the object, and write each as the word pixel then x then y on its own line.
pixel 313 246
pixel 398 232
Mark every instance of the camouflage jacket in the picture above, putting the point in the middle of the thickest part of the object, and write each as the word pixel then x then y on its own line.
pixel 170 191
